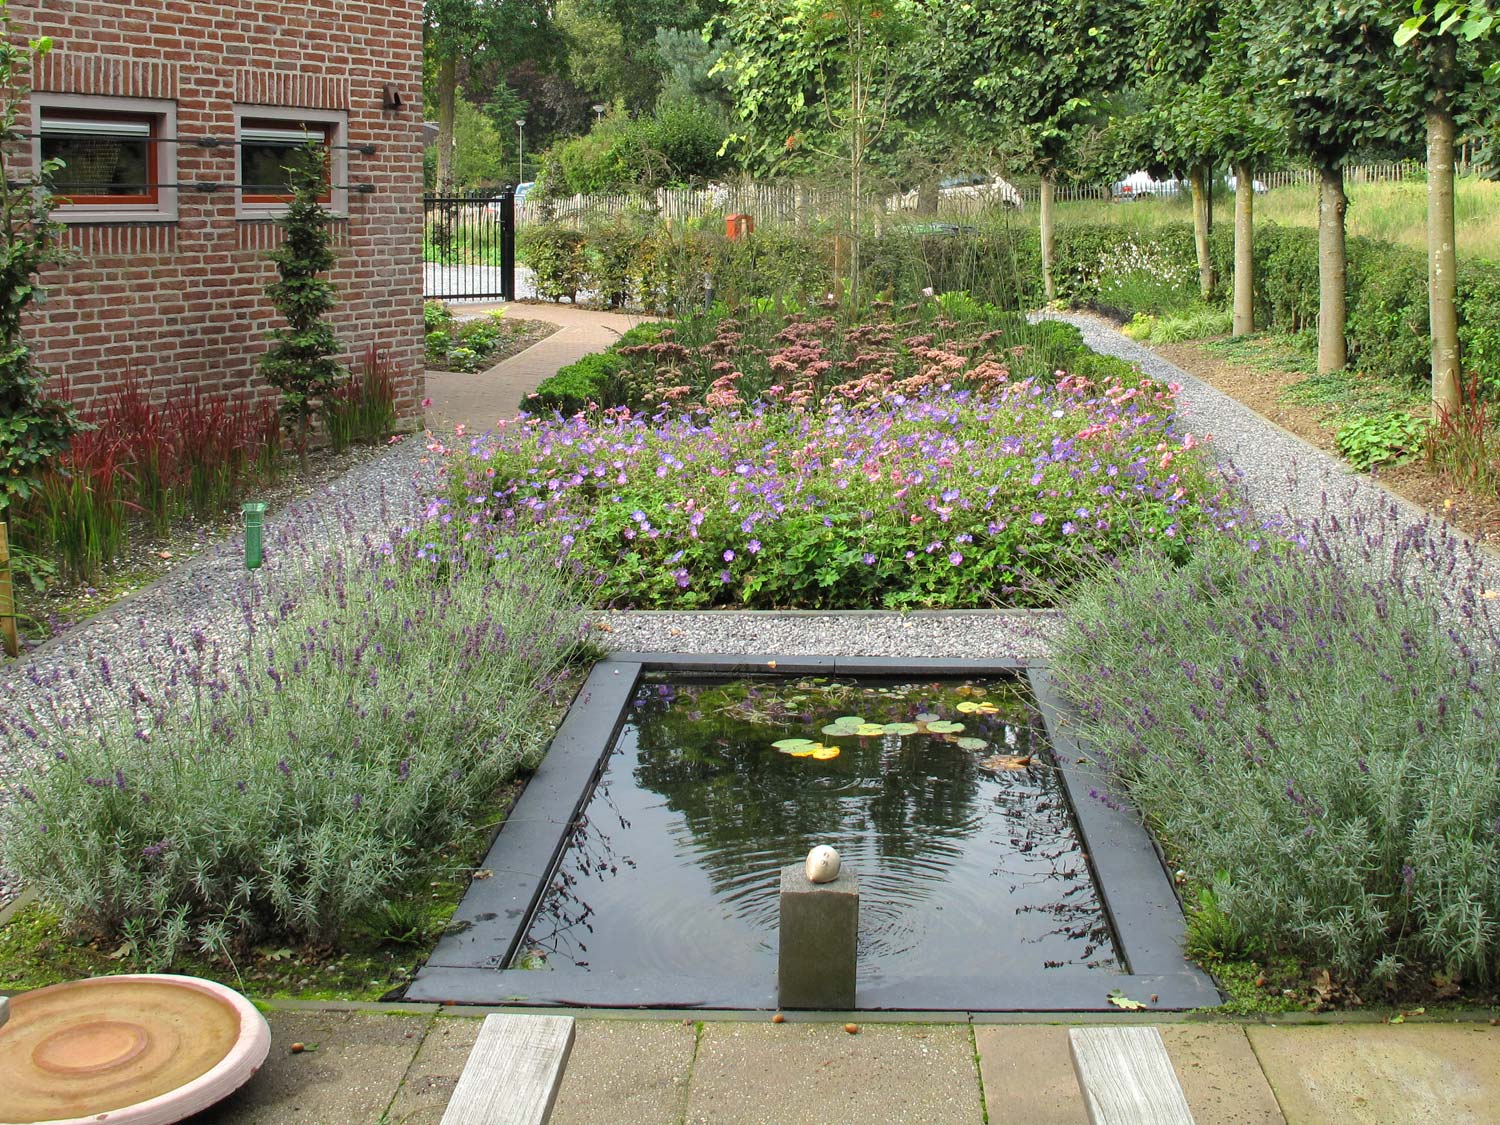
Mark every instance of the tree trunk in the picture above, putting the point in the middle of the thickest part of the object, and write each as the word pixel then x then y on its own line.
pixel 1049 240
pixel 1244 250
pixel 447 98
pixel 927 196
pixel 1442 259
pixel 1333 268
pixel 1198 180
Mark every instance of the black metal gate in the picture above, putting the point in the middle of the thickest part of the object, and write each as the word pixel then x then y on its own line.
pixel 469 246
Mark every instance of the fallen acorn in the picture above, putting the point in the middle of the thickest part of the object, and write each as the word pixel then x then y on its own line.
pixel 852 1028
pixel 297 1048
pixel 778 1018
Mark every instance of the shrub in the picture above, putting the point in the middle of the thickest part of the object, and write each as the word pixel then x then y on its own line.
pixel 938 499
pixel 290 785
pixel 1380 439
pixel 466 345
pixel 556 257
pixel 1310 727
pixel 592 380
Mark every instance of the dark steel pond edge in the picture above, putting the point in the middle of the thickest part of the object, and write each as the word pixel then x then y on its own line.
pixel 490 922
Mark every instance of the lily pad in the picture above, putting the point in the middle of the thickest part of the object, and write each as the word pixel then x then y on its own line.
pixel 805 752
pixel 833 730
pixel 968 707
pixel 849 721
pixel 823 753
pixel 787 745
pixel 972 743
pixel 927 717
pixel 942 727
pixel 869 730
pixel 902 728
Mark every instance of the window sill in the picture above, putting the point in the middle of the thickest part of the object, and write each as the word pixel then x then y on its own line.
pixel 100 216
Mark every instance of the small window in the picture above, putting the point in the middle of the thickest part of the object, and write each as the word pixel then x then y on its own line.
pixel 108 159
pixel 268 147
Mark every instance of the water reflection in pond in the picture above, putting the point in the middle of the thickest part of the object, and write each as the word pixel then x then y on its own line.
pixel 938 793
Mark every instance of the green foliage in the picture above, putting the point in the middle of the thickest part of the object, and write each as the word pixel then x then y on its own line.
pixel 302 360
pixel 34 427
pixel 590 381
pixel 1176 328
pixel 556 257
pixel 1381 439
pixel 363 409
pixel 1307 738
pixel 378 704
pixel 480 155
pixel 678 143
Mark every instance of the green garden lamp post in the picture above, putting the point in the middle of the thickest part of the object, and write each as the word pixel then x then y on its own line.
pixel 255 518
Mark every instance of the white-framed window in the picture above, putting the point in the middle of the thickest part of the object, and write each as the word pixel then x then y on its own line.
pixel 117 156
pixel 267 139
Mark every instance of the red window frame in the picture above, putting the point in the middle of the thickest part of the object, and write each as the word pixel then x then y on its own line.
pixel 152 196
pixel 326 128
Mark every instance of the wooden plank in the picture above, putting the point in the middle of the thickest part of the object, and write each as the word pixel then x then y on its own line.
pixel 8 636
pixel 4 1010
pixel 513 1072
pixel 1126 1077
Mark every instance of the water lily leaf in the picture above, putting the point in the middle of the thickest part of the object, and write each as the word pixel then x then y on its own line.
pixel 998 762
pixel 902 728
pixel 1120 1000
pixel 823 753
pixel 968 707
pixel 972 743
pixel 941 727
pixel 927 717
pixel 787 745
pixel 849 721
pixel 870 730
pixel 804 752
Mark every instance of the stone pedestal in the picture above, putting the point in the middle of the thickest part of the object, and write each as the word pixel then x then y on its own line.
pixel 819 928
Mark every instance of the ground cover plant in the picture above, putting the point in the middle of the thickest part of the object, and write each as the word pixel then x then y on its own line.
pixel 1308 720
pixel 780 352
pixel 290 787
pixel 959 484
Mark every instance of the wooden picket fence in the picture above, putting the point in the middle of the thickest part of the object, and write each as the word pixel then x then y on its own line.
pixel 796 202
pixel 10 640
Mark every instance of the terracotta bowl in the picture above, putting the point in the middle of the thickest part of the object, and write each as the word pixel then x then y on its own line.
pixel 127 1050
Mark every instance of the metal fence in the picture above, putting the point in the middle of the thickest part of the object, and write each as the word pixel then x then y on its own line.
pixel 469 246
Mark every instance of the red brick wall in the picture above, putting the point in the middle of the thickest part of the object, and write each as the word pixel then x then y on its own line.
pixel 182 304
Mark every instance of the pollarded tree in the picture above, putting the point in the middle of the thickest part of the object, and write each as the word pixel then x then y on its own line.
pixel 1332 61
pixel 1226 118
pixel 1449 49
pixel 1178 37
pixel 1037 70
pixel 818 81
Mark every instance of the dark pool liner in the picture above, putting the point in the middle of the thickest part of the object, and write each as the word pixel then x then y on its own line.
pixel 491 920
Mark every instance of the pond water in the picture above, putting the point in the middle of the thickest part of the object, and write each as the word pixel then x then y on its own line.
pixel 940 794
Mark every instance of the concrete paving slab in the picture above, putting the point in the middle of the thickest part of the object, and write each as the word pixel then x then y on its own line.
pixel 626 1073
pixel 1220 1075
pixel 806 1073
pixel 1028 1076
pixel 1373 1073
pixel 434 1073
pixel 347 1076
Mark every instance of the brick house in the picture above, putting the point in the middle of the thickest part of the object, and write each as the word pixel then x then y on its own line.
pixel 174 120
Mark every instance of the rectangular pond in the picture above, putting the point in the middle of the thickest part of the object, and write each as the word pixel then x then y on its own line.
pixel 643 870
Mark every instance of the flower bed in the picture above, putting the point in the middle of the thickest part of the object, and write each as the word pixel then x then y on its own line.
pixel 779 353
pixel 995 496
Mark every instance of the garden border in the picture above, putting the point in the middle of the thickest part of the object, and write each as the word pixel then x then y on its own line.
pixel 490 922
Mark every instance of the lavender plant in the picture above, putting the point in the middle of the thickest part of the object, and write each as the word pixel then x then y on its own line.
pixel 1309 720
pixel 290 784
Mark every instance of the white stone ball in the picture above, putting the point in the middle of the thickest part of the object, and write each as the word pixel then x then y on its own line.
pixel 823 864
